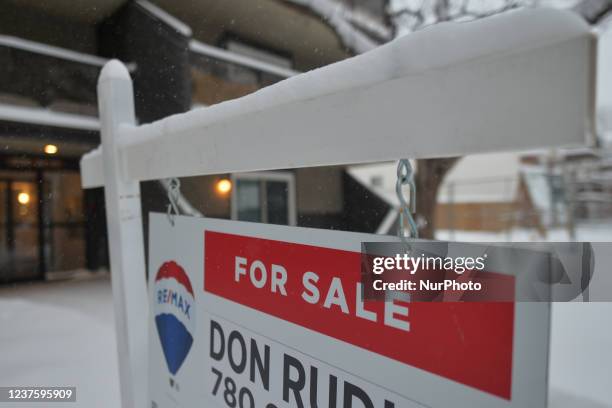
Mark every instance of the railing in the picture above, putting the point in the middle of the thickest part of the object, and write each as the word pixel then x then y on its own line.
pixel 54 73
pixel 204 50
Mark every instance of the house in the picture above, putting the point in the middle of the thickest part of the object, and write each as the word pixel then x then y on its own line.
pixel 480 192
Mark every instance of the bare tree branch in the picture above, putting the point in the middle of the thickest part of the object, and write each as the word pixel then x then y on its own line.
pixel 417 17
pixel 334 13
pixel 507 7
pixel 414 18
pixel 593 10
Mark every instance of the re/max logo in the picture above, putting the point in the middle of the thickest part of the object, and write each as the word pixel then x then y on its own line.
pixel 172 297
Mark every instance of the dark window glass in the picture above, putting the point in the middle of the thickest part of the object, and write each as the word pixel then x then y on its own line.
pixel 277 202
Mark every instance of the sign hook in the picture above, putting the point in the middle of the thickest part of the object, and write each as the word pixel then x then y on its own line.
pixel 174 192
pixel 405 175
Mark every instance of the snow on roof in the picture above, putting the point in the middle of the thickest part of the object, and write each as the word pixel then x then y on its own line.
pixel 234 58
pixel 482 178
pixel 340 17
pixel 167 18
pixel 385 176
pixel 478 178
pixel 50 50
pixel 39 116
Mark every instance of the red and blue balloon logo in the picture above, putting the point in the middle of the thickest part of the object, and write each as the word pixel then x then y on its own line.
pixel 174 309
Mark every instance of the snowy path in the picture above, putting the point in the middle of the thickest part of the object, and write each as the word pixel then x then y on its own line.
pixel 62 333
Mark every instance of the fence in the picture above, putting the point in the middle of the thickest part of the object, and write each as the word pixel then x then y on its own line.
pixel 451 90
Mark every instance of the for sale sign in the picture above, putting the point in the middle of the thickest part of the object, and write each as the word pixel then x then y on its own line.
pixel 249 315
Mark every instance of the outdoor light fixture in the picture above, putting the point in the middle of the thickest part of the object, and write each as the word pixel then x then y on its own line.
pixel 50 149
pixel 224 186
pixel 23 198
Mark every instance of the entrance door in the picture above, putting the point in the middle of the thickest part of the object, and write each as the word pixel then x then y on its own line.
pixel 42 224
pixel 19 228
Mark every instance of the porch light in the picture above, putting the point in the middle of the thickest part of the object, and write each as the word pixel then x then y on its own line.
pixel 50 149
pixel 224 186
pixel 23 198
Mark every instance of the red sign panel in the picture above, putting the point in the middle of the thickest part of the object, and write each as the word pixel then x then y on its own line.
pixel 319 288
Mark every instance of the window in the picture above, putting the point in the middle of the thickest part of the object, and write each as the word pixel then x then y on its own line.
pixel 264 197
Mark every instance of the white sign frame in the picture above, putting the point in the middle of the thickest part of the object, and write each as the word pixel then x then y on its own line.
pixel 495 73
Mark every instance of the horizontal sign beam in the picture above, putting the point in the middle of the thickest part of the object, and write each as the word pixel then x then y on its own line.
pixel 516 81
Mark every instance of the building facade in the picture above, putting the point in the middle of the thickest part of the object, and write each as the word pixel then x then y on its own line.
pixel 182 55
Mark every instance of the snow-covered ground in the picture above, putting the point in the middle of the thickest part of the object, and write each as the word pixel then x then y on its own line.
pixel 581 355
pixel 581 338
pixel 62 333
pixel 592 232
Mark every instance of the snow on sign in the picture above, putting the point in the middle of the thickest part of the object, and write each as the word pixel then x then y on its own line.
pixel 249 315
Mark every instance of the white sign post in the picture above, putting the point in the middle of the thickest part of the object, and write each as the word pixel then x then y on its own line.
pixel 516 81
pixel 124 220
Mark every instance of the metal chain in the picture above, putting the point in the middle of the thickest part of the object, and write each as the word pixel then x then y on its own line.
pixel 174 192
pixel 405 175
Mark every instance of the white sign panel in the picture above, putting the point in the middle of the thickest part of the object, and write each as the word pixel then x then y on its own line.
pixel 249 315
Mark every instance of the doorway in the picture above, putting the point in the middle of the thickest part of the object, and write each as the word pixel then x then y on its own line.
pixel 19 227
pixel 42 224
